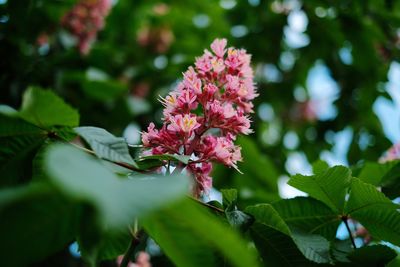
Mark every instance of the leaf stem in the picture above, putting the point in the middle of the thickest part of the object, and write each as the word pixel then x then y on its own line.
pixel 345 220
pixel 132 247
pixel 207 205
pixel 122 164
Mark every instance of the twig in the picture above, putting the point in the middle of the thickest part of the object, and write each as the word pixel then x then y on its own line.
pixel 136 236
pixel 344 219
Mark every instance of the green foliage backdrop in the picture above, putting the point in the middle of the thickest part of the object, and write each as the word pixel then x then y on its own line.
pixel 67 177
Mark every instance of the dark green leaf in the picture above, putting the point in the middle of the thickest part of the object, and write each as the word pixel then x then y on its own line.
pixel 374 211
pixel 173 157
pixel 375 255
pixel 309 215
pixel 35 222
pixel 391 182
pixel 19 141
pixel 279 246
pixel 329 186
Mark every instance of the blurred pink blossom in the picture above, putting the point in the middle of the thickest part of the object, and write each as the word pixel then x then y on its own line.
pixel 392 154
pixel 84 21
pixel 142 260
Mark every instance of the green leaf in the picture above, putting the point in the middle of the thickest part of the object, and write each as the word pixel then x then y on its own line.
pixel 374 211
pixel 238 219
pixel 309 215
pixel 114 244
pixel 373 172
pixel 35 223
pixel 44 109
pixel 235 217
pixel 328 186
pixel 385 175
pixel 390 182
pixel 105 145
pixel 229 197
pixel 279 246
pixel 108 245
pixel 153 161
pixel 7 110
pixel 19 141
pixel 341 249
pixel 190 236
pixel 375 255
pixel 118 201
pixel 319 166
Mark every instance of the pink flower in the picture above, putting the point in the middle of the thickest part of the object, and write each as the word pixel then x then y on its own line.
pixel 191 81
pixel 183 124
pixel 222 149
pixel 219 90
pixel 203 63
pixel 201 172
pixel 218 47
pixel 217 65
pixel 187 100
pixel 150 135
pixel 209 91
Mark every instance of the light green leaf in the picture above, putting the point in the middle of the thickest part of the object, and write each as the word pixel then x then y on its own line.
pixel 44 109
pixel 118 201
pixel 105 145
pixel 329 186
pixel 374 211
pixel 189 236
pixel 7 110
pixel 280 246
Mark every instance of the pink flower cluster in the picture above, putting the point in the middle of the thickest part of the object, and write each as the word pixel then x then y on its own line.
pixel 205 113
pixel 392 154
pixel 85 19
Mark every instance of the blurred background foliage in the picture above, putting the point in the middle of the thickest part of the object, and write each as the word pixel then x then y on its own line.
pixel 327 73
